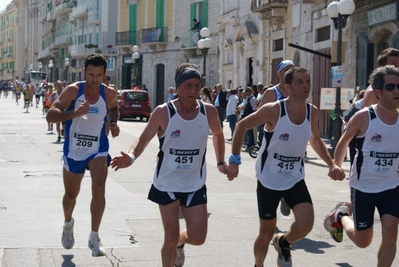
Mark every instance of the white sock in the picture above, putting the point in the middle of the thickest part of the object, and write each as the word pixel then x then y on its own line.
pixel 68 224
pixel 93 234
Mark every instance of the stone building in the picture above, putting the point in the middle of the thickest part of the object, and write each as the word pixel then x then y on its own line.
pixel 8 36
pixel 161 30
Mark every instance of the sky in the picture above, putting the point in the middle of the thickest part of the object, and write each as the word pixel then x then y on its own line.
pixel 4 3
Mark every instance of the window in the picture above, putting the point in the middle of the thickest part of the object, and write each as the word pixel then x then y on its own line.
pixel 198 11
pixel 278 45
pixel 323 34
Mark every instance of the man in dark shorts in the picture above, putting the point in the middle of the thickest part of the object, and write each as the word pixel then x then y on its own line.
pixel 289 125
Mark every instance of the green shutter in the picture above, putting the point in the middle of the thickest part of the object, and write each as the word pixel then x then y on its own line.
pixel 160 13
pixel 193 11
pixel 192 14
pixel 133 17
pixel 133 24
pixel 204 18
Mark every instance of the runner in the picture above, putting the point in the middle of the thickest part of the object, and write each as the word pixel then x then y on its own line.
pixel 37 94
pixel 18 90
pixel 86 144
pixel 289 125
pixel 27 98
pixel 373 179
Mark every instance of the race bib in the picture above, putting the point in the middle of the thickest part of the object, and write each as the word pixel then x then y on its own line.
pixel 86 143
pixel 180 159
pixel 382 162
pixel 286 165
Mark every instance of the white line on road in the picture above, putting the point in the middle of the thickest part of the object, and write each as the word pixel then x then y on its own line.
pixel 2 139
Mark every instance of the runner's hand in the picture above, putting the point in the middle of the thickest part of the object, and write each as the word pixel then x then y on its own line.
pixel 122 161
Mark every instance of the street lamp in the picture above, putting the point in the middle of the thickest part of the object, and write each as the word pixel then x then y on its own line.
pixel 204 45
pixel 339 13
pixel 135 57
pixel 50 66
pixel 66 64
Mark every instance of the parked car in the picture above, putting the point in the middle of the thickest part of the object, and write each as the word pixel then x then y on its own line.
pixel 134 104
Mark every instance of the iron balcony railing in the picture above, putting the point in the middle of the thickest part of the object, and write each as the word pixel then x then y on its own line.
pixel 154 35
pixel 127 38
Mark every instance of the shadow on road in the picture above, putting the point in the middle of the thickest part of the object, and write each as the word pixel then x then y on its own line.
pixel 311 246
pixel 68 261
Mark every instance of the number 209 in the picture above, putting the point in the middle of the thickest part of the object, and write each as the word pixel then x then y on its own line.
pixel 84 143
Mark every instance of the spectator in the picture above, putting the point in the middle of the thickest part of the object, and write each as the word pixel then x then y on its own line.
pixel 230 111
pixel 196 28
pixel 220 102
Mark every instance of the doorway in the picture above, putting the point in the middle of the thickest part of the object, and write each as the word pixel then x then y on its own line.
pixel 160 84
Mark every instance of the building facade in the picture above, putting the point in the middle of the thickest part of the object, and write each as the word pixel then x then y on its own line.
pixel 161 30
pixel 8 37
pixel 249 39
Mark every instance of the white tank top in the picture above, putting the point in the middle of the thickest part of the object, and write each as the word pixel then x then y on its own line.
pixel 84 138
pixel 375 167
pixel 280 161
pixel 181 164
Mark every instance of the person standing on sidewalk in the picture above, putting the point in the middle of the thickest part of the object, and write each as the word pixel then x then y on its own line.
pixel 220 102
pixel 86 144
pixel 275 93
pixel 289 125
pixel 374 179
pixel 182 126
pixel 231 111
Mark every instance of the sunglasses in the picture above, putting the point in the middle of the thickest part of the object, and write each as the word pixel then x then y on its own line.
pixel 391 86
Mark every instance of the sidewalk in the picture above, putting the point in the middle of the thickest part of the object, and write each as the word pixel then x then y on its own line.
pixel 311 155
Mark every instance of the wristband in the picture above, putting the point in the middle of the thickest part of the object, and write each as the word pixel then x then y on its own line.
pixel 235 159
pixel 112 122
pixel 221 163
pixel 132 157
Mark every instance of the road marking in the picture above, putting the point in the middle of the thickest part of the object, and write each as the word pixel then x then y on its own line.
pixel 2 139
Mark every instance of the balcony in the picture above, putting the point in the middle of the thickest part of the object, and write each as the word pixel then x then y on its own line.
pixel 50 16
pixel 154 35
pixel 63 8
pixel 127 39
pixel 80 51
pixel 44 54
pixel 63 40
pixel 80 11
pixel 274 8
pixel 107 50
pixel 94 17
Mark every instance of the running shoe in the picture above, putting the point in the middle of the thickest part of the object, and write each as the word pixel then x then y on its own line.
pixel 180 256
pixel 284 208
pixel 331 223
pixel 67 238
pixel 97 249
pixel 59 139
pixel 284 254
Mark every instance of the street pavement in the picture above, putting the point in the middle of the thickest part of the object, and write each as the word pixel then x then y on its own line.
pixel 31 216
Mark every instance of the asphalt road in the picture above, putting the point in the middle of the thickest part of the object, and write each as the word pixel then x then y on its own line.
pixel 31 216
